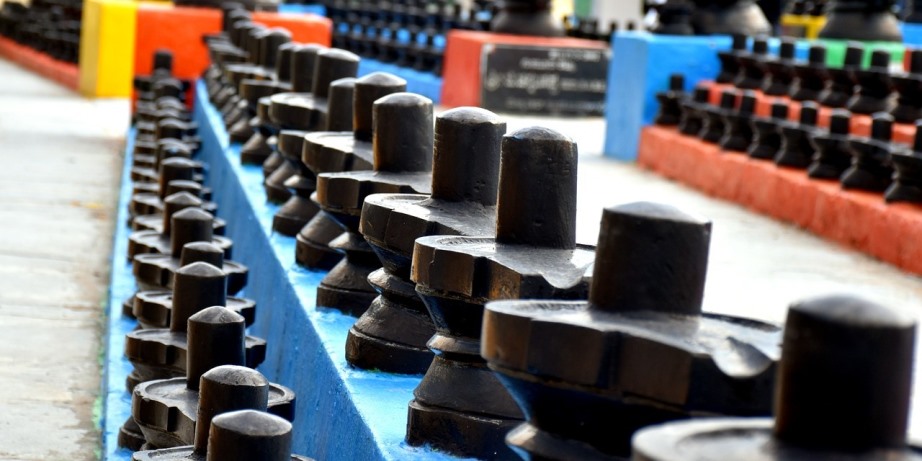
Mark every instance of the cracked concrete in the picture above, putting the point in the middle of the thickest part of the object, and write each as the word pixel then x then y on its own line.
pixel 60 161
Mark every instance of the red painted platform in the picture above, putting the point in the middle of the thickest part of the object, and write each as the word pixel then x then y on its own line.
pixel 860 124
pixel 62 72
pixel 180 30
pixel 860 220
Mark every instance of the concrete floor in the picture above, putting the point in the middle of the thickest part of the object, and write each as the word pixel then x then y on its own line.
pixel 60 158
pixel 59 164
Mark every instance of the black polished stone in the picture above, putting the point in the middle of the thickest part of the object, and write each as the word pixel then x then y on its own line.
pixel 166 409
pixel 873 85
pixel 339 151
pixel 583 371
pixel 766 138
pixel 908 88
pixel 836 349
pixel 738 134
pixel 670 109
pixel 907 176
pixel 810 76
pixel 184 226
pixel 840 86
pixel 533 255
pixel 832 155
pixel 796 150
pixel 402 147
pixel 871 167
pixel 692 118
pixel 779 71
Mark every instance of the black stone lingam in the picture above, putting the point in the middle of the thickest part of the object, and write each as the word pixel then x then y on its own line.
pixel 162 67
pixel 908 87
pixel 338 151
pixel 525 17
pixel 588 390
pixel 250 435
pixel 172 128
pixel 810 76
pixel 304 65
pixel 156 271
pixel 796 150
pixel 907 176
pixel 166 409
pixel 264 143
pixel 166 149
pixel 534 255
pixel 257 148
pixel 299 209
pixel 159 353
pixel 252 90
pixel 840 86
pixel 232 106
pixel 692 119
pixel 836 349
pixel 186 195
pixel 223 389
pixel 728 17
pixel 670 109
pixel 766 137
pixel 730 60
pixel 391 336
pixel 752 72
pixel 152 308
pixel 713 127
pixel 183 226
pixel 862 20
pixel 737 135
pixel 832 156
pixel 779 71
pixel 148 198
pixel 871 167
pixel 307 111
pixel 873 85
pixel 402 144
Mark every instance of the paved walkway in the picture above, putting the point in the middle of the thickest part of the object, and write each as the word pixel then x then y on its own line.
pixel 60 158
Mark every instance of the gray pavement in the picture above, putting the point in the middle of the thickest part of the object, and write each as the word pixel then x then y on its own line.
pixel 60 158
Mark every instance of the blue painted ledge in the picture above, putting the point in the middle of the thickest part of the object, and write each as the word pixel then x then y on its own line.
pixel 342 413
pixel 298 8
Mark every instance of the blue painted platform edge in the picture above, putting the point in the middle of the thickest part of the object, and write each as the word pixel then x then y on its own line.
pixel 116 400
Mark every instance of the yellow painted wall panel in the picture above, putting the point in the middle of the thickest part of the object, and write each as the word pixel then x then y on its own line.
pixel 107 48
pixel 116 52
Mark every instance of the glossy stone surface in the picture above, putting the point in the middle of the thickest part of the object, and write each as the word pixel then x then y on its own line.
pixel 166 410
pixel 641 310
pixel 403 144
pixel 533 255
pixel 339 151
pixel 836 348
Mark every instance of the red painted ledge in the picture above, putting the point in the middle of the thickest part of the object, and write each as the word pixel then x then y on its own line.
pixel 62 72
pixel 860 220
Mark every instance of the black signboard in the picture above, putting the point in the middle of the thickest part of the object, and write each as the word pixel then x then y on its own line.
pixel 542 80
